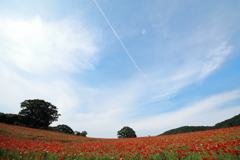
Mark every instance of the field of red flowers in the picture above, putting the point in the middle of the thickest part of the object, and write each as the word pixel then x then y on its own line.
pixel 27 143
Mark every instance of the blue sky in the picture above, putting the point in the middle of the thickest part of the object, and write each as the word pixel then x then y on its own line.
pixel 170 64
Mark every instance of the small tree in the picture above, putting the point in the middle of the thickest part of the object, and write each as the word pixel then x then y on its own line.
pixel 126 132
pixel 64 128
pixel 77 133
pixel 38 113
pixel 84 133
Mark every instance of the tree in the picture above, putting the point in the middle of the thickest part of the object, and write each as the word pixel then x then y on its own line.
pixel 126 132
pixel 10 118
pixel 64 128
pixel 3 117
pixel 77 133
pixel 38 113
pixel 84 133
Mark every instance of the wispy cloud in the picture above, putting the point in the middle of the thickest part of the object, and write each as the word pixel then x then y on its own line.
pixel 189 58
pixel 107 112
pixel 36 57
pixel 54 59
pixel 214 58
pixel 143 31
pixel 102 111
pixel 34 46
pixel 126 50
pixel 199 113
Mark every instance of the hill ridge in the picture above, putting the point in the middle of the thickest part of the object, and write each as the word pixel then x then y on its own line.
pixel 231 122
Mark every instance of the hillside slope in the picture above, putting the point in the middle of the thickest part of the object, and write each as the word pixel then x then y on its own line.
pixel 234 121
pixel 28 143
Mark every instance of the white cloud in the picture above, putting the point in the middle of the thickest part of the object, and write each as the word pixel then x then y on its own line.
pixel 35 46
pixel 200 113
pixel 15 88
pixel 188 59
pixel 103 111
pixel 118 109
pixel 215 58
pixel 36 57
pixel 194 49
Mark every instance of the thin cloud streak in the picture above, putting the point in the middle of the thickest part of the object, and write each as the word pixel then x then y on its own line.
pixel 59 60
pixel 125 48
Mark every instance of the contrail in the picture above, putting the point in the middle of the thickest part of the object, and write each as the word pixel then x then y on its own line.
pixel 125 47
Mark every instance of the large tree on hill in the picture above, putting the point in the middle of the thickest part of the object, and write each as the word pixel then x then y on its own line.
pixel 38 113
pixel 126 132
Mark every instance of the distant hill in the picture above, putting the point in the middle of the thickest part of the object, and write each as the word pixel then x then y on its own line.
pixel 234 121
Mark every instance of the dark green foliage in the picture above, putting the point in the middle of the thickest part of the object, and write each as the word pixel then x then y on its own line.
pixel 126 132
pixel 83 133
pixel 38 113
pixel 77 133
pixel 2 117
pixel 186 129
pixel 10 119
pixel 235 121
pixel 62 128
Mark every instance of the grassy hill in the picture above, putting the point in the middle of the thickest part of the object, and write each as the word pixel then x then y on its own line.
pixel 234 121
pixel 28 143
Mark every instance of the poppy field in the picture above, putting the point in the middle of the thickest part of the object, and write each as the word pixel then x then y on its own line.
pixel 26 143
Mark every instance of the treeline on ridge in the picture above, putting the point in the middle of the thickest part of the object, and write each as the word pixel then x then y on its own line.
pixel 39 114
pixel 232 122
pixel 15 119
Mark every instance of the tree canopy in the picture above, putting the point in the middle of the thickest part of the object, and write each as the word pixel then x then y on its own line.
pixel 63 128
pixel 38 113
pixel 83 133
pixel 126 132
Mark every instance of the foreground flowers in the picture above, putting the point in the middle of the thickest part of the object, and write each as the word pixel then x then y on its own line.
pixel 26 143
